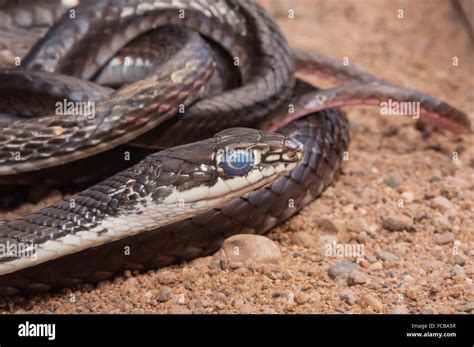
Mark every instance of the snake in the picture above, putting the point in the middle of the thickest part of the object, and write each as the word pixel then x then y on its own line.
pixel 253 146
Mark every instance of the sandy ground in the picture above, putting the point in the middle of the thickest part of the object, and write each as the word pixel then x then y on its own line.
pixel 394 176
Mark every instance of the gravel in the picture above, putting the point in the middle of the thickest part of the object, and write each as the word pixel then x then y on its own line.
pixel 397 222
pixel 372 301
pixel 348 296
pixel 251 248
pixel 442 204
pixel 326 225
pixel 356 277
pixel 442 239
pixel 342 268
pixel 164 294
pixel 303 239
pixel 359 193
pixel 387 256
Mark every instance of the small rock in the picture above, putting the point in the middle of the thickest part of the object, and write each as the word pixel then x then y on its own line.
pixel 393 180
pixel 458 270
pixel 442 224
pixel 298 254
pixel 442 239
pixel 410 136
pixel 400 309
pixel 458 260
pixel 387 256
pixel 442 204
pixel 254 248
pixel 167 277
pixel 377 266
pixel 357 225
pixel 372 301
pixel 131 282
pixel 348 296
pixel 435 178
pixel 342 268
pixel 372 230
pixel 408 197
pixel 201 263
pixel 433 264
pixel 364 263
pixel 164 294
pixel 408 280
pixel 371 258
pixel 468 307
pixel 326 225
pixel 302 238
pixel 421 215
pixel 412 292
pixel 356 277
pixel 202 303
pixel 397 222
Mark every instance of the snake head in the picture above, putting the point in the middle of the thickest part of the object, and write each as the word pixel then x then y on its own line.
pixel 230 164
pixel 239 151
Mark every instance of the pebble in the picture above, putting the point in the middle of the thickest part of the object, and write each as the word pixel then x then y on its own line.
pixel 356 277
pixel 167 277
pixel 458 260
pixel 408 280
pixel 303 239
pixel 442 204
pixel 408 197
pixel 348 296
pixel 410 136
pixel 468 307
pixel 251 248
pixel 164 294
pixel 364 263
pixel 201 263
pixel 326 225
pixel 387 256
pixel 442 239
pixel 372 301
pixel 297 254
pixel 421 215
pixel 442 224
pixel 357 225
pixel 342 268
pixel 412 292
pixel 377 266
pixel 371 258
pixel 397 222
pixel 393 180
pixel 458 270
pixel 131 283
pixel 435 178
pixel 372 230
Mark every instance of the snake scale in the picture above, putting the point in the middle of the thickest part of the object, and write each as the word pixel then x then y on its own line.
pixel 210 80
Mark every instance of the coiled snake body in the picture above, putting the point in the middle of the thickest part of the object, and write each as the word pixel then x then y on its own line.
pixel 182 202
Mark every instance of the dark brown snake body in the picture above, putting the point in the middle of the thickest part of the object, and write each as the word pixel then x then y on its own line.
pixel 265 71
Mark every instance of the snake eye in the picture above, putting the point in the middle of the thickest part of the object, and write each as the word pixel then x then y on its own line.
pixel 237 162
